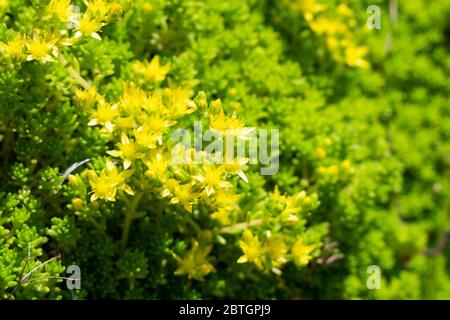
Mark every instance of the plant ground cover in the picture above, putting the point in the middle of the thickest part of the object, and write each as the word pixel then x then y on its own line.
pixel 92 93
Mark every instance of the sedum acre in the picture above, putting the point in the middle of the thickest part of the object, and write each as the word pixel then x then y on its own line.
pixel 96 95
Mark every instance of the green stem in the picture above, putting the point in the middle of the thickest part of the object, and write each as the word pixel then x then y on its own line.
pixel 74 74
pixel 132 280
pixel 196 227
pixel 239 227
pixel 100 227
pixel 130 212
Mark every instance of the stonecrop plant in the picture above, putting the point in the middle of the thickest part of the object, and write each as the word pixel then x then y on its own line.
pixel 187 149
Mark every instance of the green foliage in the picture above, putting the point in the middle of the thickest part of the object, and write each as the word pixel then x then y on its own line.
pixel 364 173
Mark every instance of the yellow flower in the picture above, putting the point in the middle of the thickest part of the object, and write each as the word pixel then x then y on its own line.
pixel 128 151
pixel 152 70
pixel 302 253
pixel 104 115
pixel 212 179
pixel 237 167
pixel 116 9
pixel 232 91
pixel 14 47
pixel 110 180
pixel 154 103
pixel 346 165
pixel 98 8
pixel 283 202
pixel 320 153
pixel 102 188
pixel 354 56
pixel 333 170
pixel 40 49
pixel 146 137
pixel 222 215
pixel 226 200
pixel 3 4
pixel 182 155
pixel 86 99
pixel 221 123
pixel 77 204
pixel 289 207
pixel 277 249
pixel 195 264
pixel 225 204
pixel 252 248
pixel 118 178
pixel 344 10
pixel 132 100
pixel 332 42
pixel 308 7
pixel 180 194
pixel 157 166
pixel 158 125
pixel 229 126
pixel 326 26
pixel 277 195
pixel 179 102
pixel 124 123
pixel 61 8
pixel 88 27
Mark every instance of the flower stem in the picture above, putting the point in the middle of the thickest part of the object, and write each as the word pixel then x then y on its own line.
pixel 239 227
pixel 74 74
pixel 130 212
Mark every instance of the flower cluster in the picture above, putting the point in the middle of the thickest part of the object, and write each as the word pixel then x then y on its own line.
pixel 45 41
pixel 271 247
pixel 334 27
pixel 90 148
pixel 140 123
